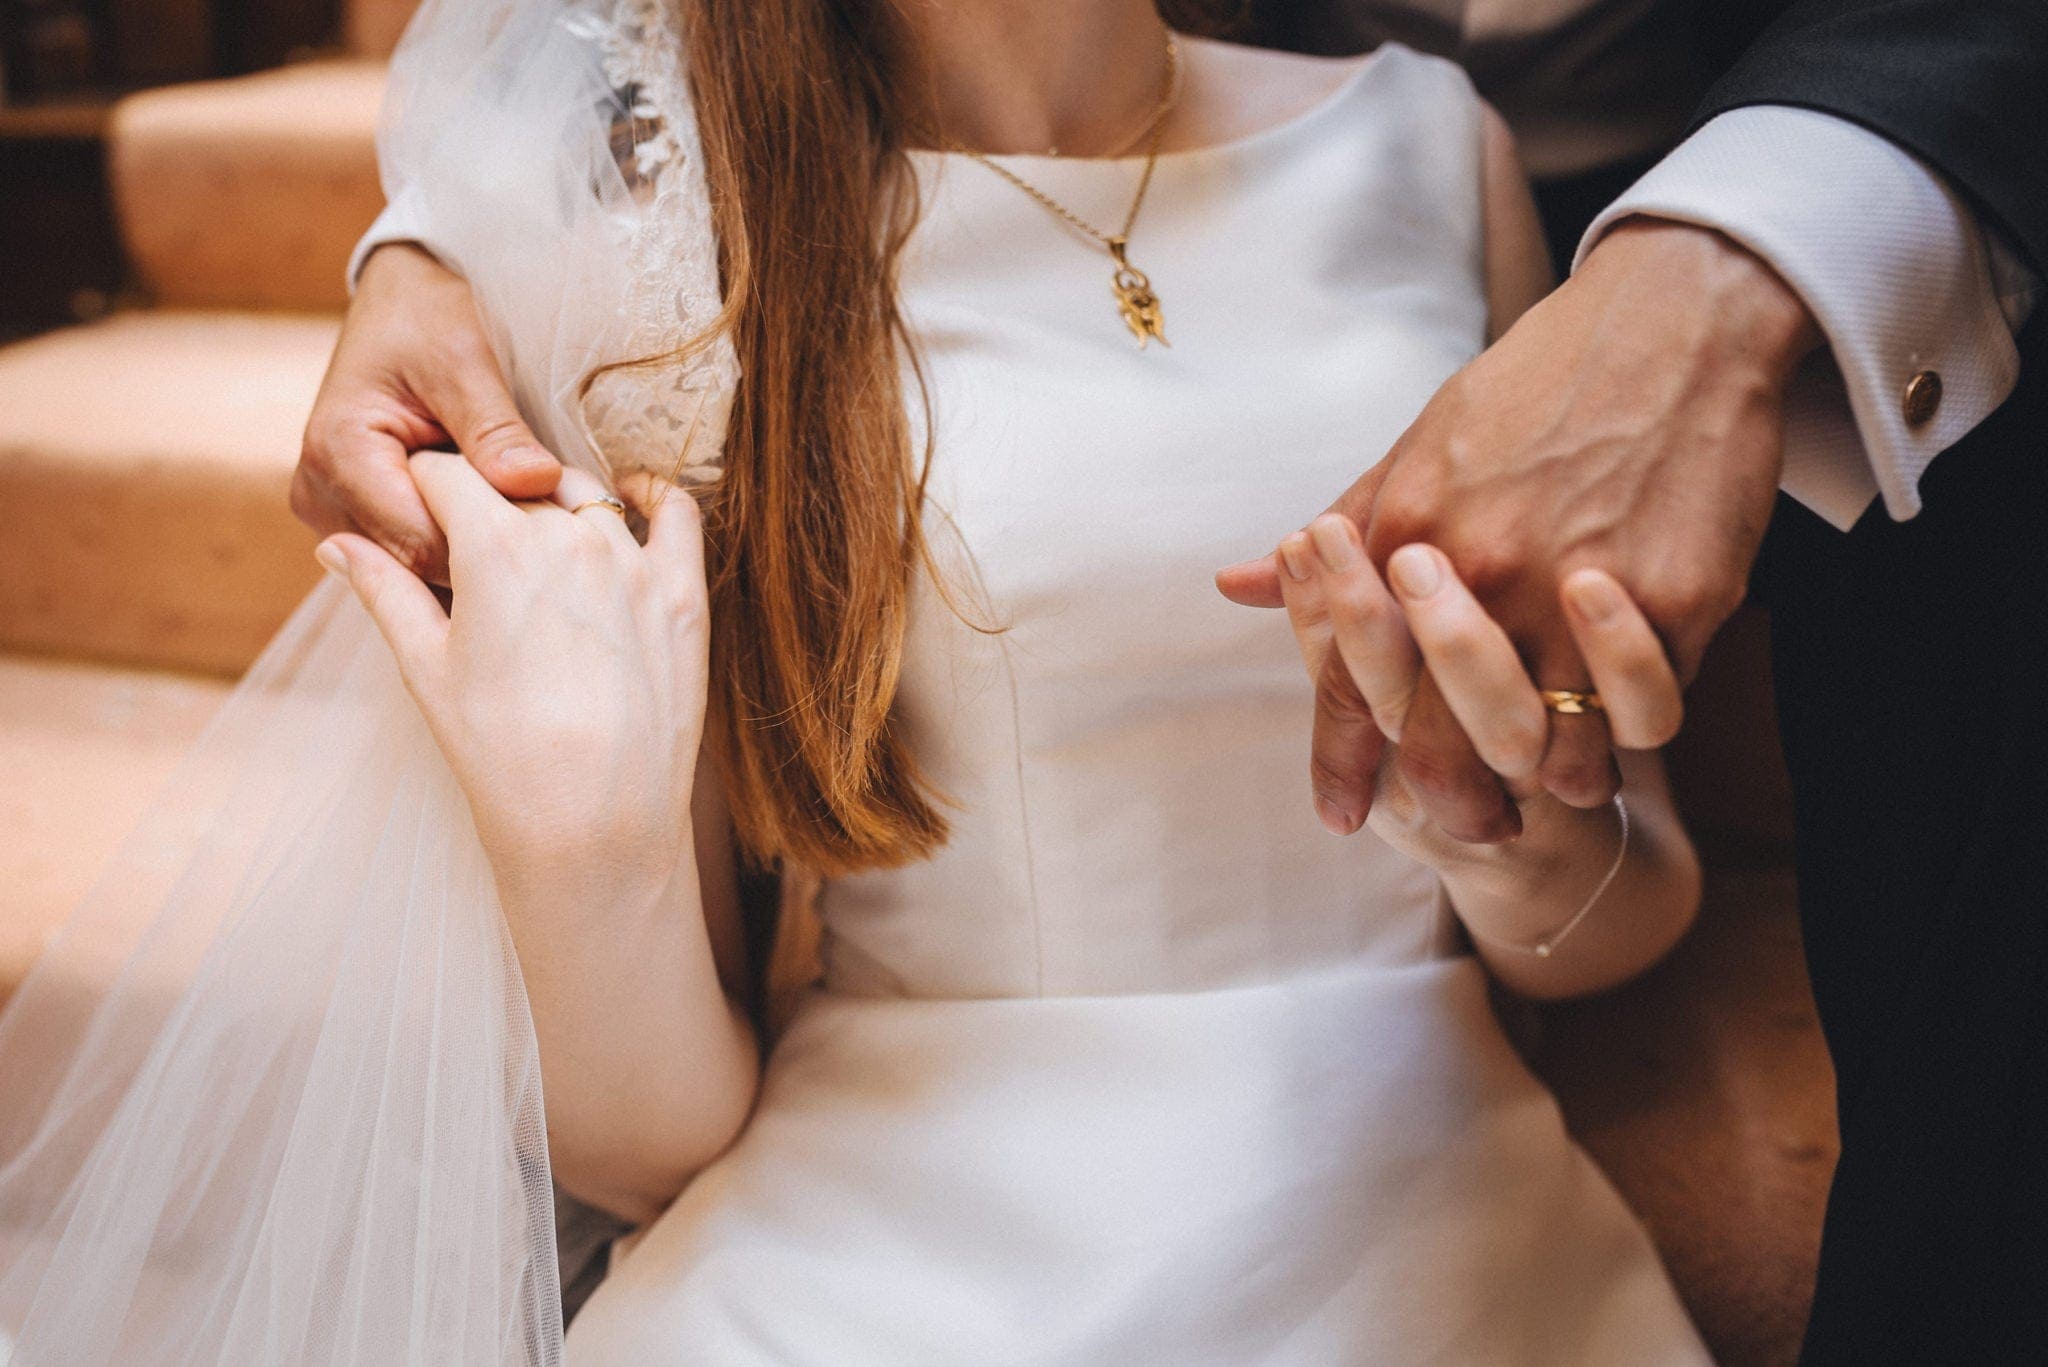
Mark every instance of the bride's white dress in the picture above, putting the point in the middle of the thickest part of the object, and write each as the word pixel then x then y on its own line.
pixel 1144 1066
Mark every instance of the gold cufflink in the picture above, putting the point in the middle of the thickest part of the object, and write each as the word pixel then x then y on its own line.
pixel 1923 397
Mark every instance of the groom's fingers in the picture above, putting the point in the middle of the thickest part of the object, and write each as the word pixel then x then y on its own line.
pixel 1629 666
pixel 1578 766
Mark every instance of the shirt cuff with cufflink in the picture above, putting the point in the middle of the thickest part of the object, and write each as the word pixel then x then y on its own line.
pixel 1918 304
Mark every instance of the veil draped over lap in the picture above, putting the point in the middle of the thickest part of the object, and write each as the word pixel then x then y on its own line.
pixel 272 1096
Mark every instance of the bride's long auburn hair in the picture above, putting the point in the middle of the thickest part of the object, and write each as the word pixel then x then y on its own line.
pixel 815 530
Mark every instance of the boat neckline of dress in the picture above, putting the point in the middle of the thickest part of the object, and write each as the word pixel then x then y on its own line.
pixel 1290 126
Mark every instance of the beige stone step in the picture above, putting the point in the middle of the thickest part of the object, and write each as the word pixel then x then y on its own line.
pixel 250 192
pixel 371 27
pixel 145 468
pixel 83 748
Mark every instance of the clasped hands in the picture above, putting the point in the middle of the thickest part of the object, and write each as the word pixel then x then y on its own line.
pixel 1372 644
pixel 1577 509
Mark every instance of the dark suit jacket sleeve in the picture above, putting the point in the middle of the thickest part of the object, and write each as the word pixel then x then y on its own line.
pixel 1961 83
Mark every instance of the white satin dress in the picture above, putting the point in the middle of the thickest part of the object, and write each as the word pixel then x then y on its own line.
pixel 1144 1066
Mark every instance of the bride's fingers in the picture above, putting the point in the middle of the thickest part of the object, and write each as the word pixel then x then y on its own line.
pixel 1475 665
pixel 1345 742
pixel 398 601
pixel 1345 748
pixel 1301 593
pixel 580 487
pixel 465 505
pixel 1365 622
pixel 675 526
pixel 1622 651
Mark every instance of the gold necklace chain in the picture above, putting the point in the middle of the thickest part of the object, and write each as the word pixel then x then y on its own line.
pixel 1135 301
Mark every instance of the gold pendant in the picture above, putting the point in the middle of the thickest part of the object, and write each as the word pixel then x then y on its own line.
pixel 1135 299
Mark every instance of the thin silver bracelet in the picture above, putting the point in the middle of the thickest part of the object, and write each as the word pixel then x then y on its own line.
pixel 1543 948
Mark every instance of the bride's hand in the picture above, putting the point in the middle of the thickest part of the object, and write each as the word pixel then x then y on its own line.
pixel 1386 637
pixel 567 684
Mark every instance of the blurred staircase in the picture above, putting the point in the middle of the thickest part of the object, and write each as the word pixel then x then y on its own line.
pixel 146 548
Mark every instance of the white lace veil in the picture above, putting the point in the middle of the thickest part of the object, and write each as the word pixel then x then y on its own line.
pixel 272 1096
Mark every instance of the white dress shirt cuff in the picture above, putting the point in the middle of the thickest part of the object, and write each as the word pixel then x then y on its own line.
pixel 403 220
pixel 1895 270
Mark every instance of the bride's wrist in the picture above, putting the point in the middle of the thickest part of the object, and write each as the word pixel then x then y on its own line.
pixel 587 886
pixel 1523 889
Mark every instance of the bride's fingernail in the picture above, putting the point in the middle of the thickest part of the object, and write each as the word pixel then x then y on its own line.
pixel 1294 555
pixel 1333 547
pixel 1596 597
pixel 330 557
pixel 1415 571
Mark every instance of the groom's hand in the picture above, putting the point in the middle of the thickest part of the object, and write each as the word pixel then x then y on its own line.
pixel 413 369
pixel 1630 422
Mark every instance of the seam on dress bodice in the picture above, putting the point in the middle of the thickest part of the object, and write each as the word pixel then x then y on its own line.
pixel 1024 818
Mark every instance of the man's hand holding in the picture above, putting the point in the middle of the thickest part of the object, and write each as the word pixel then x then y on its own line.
pixel 1630 423
pixel 413 370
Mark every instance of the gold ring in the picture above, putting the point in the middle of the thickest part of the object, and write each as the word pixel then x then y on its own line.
pixel 1570 702
pixel 607 501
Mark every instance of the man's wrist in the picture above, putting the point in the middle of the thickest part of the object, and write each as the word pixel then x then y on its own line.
pixel 1758 313
pixel 397 254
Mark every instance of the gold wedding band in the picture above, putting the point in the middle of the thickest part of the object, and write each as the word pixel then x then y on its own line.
pixel 606 502
pixel 1570 702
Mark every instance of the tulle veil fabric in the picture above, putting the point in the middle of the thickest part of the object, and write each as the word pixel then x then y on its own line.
pixel 272 1096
